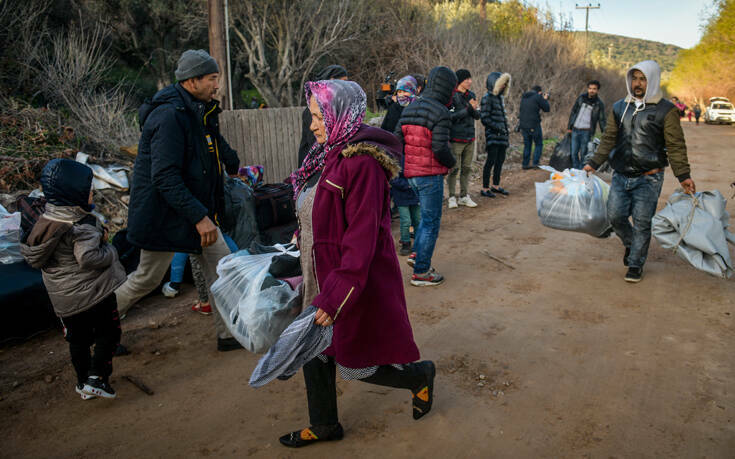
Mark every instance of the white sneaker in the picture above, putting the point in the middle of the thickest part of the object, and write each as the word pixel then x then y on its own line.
pixel 467 201
pixel 452 202
pixel 168 291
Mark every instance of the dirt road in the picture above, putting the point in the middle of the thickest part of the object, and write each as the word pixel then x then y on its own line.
pixel 550 354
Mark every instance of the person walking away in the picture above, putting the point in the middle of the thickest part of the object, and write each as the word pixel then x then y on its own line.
pixel 588 111
pixel 697 113
pixel 646 136
pixel 330 72
pixel 532 103
pixel 424 129
pixel 80 271
pixel 177 189
pixel 463 115
pixel 355 277
pixel 689 115
pixel 406 92
pixel 495 120
pixel 403 195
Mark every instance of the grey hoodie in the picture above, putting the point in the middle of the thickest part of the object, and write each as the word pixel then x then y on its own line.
pixel 652 71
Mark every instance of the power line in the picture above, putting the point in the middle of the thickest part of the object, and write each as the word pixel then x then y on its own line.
pixel 587 7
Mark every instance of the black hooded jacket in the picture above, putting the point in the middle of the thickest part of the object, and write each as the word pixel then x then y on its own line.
pixel 429 113
pixel 67 183
pixel 531 103
pixel 463 117
pixel 178 179
pixel 492 112
pixel 307 137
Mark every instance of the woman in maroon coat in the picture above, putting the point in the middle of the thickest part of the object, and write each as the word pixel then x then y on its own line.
pixel 351 271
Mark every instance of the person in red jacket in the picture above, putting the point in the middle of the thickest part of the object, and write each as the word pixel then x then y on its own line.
pixel 350 266
pixel 424 128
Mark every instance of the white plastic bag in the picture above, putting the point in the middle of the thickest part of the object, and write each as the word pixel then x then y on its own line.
pixel 573 201
pixel 9 237
pixel 256 317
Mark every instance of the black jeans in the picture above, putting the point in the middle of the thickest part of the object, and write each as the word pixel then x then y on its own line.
pixel 321 386
pixel 495 159
pixel 99 325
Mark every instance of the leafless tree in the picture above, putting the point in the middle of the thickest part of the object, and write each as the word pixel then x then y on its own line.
pixel 282 41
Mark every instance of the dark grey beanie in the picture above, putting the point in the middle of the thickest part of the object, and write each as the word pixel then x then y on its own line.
pixel 195 63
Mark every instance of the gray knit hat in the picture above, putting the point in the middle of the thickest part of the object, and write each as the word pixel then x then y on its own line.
pixel 195 63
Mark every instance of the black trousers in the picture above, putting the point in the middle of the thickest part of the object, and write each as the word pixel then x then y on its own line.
pixel 321 386
pixel 495 159
pixel 99 325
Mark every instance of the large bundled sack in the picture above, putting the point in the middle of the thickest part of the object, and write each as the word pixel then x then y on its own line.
pixel 9 237
pixel 255 306
pixel 274 205
pixel 561 158
pixel 573 201
pixel 695 228
pixel 239 220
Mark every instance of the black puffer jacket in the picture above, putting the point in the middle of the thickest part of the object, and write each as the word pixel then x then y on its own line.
pixel 492 109
pixel 427 122
pixel 531 103
pixel 177 181
pixel 463 117
pixel 391 118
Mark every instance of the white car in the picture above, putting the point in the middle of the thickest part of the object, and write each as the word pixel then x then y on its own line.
pixel 720 110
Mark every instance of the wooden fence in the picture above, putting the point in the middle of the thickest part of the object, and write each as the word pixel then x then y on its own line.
pixel 269 137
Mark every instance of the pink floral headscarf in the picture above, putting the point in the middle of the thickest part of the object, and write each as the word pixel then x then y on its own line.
pixel 343 105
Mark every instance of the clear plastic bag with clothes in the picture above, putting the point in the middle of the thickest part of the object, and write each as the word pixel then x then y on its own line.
pixel 255 306
pixel 573 201
pixel 9 237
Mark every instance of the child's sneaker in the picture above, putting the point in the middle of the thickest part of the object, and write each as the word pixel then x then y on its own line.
pixel 202 308
pixel 411 259
pixel 96 386
pixel 80 388
pixel 428 279
pixel 405 248
pixel 170 291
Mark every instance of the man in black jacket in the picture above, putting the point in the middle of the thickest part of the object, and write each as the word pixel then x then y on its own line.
pixel 530 123
pixel 463 114
pixel 177 192
pixel 587 112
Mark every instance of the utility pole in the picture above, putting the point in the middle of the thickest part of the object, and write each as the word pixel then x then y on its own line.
pixel 218 49
pixel 587 7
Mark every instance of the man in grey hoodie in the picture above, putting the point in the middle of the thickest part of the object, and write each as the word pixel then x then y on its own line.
pixel 644 138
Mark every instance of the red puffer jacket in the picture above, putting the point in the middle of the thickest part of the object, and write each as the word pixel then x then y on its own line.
pixel 425 127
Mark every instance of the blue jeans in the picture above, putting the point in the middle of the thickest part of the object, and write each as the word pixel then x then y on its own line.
pixel 410 216
pixel 430 190
pixel 178 264
pixel 635 197
pixel 531 136
pixel 579 147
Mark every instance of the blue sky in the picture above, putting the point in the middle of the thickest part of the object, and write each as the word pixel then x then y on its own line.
pixel 669 21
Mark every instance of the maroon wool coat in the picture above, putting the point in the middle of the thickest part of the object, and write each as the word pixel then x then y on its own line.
pixel 355 261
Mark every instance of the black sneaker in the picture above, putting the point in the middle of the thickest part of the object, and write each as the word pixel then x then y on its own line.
pixel 625 257
pixel 80 390
pixel 487 193
pixel 634 275
pixel 98 387
pixel 228 344
pixel 405 248
pixel 525 168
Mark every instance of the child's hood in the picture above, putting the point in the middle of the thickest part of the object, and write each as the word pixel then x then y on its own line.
pixel 43 240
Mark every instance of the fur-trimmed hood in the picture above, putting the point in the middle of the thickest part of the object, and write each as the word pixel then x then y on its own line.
pixel 387 162
pixel 495 82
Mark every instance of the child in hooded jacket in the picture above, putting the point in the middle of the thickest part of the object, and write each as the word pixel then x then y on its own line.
pixel 80 271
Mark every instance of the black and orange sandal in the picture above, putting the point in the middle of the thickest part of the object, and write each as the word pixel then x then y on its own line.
pixel 424 397
pixel 307 436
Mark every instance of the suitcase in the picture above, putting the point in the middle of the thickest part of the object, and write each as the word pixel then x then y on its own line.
pixel 274 205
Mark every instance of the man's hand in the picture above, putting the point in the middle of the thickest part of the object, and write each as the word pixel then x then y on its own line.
pixel 473 102
pixel 569 131
pixel 322 318
pixel 207 231
pixel 587 168
pixel 689 186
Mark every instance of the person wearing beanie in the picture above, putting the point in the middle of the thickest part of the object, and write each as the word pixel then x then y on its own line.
pixel 177 190
pixel 80 271
pixel 463 112
pixel 330 72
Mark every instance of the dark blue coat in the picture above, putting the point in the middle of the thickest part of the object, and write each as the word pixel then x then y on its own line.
pixel 177 179
pixel 531 103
